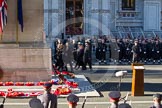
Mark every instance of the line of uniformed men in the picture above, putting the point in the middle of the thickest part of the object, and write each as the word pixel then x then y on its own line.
pixel 50 100
pixel 149 50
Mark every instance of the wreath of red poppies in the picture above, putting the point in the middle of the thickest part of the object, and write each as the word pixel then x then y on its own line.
pixel 59 91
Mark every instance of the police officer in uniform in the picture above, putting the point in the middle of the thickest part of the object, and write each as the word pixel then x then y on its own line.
pixel 157 101
pixel 48 97
pixel 114 98
pixel 35 103
pixel 72 100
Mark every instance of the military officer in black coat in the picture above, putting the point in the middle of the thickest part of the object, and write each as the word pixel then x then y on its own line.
pixel 87 55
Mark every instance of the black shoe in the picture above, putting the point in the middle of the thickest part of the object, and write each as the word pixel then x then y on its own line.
pixel 84 68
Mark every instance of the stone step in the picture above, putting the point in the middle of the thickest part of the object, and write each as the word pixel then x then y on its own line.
pixel 85 88
pixel 9 45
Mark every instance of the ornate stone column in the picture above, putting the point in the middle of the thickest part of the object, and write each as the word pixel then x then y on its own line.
pixel 105 14
pixel 152 15
pixel 54 19
pixel 94 20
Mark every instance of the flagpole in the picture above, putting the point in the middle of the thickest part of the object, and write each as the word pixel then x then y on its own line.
pixel 17 34
pixel 1 37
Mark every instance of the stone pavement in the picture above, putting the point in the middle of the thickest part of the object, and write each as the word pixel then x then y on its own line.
pixel 103 79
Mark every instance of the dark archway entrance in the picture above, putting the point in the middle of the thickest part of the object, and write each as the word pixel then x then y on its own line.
pixel 74 17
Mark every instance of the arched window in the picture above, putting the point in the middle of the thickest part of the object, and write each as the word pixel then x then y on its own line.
pixel 128 4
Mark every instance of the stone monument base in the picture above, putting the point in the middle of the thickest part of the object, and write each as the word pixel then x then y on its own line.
pixel 24 63
pixel 26 75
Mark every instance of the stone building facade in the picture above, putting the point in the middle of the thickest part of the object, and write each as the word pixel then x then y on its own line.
pixel 105 17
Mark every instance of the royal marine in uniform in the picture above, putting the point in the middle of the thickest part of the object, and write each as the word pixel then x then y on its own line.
pixel 72 100
pixel 114 98
pixel 48 97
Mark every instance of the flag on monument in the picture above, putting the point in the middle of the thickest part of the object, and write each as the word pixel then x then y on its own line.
pixel 3 14
pixel 20 14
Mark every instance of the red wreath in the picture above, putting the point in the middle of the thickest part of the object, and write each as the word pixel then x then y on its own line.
pixel 62 91
pixel 72 84
pixel 10 83
pixel 40 83
pixel 1 83
pixel 19 84
pixel 33 94
pixel 2 93
pixel 29 83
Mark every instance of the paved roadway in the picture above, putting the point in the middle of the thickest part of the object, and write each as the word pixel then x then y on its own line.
pixel 103 75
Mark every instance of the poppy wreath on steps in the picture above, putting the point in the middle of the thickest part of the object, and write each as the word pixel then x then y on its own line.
pixel 29 84
pixel 62 91
pixel 1 83
pixel 71 84
pixel 41 83
pixel 10 83
pixel 19 84
pixel 2 93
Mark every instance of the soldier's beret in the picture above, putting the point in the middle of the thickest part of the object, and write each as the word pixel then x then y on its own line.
pixel 47 85
pixel 124 105
pixel 35 103
pixel 115 95
pixel 157 96
pixel 72 98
